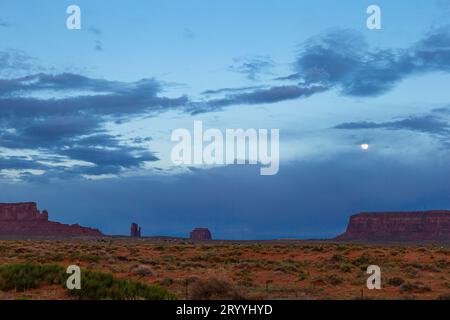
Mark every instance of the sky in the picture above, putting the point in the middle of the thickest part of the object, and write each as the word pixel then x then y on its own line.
pixel 86 115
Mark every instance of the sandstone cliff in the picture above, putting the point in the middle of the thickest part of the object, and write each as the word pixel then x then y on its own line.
pixel 398 226
pixel 25 220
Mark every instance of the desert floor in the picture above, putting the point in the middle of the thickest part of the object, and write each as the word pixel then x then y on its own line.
pixel 250 270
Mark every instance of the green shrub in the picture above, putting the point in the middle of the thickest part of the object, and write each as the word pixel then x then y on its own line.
pixel 346 268
pixel 21 277
pixel 337 258
pixel 396 281
pixel 363 260
pixel 414 288
pixel 166 282
pixel 214 289
pixel 94 285
pixel 335 280
pixel 103 286
pixel 302 275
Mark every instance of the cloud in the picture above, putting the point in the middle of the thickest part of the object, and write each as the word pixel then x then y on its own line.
pixel 342 59
pixel 120 157
pixel 427 124
pixel 19 163
pixel 64 115
pixel 4 24
pixel 98 45
pixel 338 59
pixel 252 67
pixel 20 97
pixel 231 90
pixel 45 132
pixel 95 31
pixel 259 96
pixel 53 113
pixel 16 62
pixel 189 34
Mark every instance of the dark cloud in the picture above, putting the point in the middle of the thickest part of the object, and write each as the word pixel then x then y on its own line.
pixel 47 132
pixel 20 98
pixel 71 82
pixel 344 60
pixel 97 32
pixel 140 140
pixel 427 124
pixel 98 45
pixel 231 90
pixel 252 67
pixel 259 96
pixel 121 156
pixel 105 153
pixel 339 59
pixel 94 30
pixel 271 95
pixel 65 114
pixel 19 163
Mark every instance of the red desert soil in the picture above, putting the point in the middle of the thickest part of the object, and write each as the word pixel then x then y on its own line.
pixel 267 270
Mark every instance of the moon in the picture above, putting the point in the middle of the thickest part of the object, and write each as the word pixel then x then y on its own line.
pixel 365 146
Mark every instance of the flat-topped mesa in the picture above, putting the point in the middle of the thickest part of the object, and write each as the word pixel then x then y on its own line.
pixel 25 220
pixel 431 225
pixel 201 234
pixel 25 211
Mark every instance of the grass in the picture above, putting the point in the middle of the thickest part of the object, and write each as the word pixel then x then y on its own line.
pixel 101 286
pixel 22 277
pixel 94 285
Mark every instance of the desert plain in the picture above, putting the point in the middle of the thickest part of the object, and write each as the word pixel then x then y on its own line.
pixel 182 269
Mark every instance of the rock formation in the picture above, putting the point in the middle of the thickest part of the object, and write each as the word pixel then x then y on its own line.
pixel 398 226
pixel 25 220
pixel 200 234
pixel 135 231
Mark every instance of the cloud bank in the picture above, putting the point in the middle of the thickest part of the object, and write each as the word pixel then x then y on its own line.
pixel 61 118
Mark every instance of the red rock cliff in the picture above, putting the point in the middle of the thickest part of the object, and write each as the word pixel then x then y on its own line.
pixel 399 226
pixel 24 219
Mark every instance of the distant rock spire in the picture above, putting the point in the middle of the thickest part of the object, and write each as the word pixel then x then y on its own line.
pixel 135 230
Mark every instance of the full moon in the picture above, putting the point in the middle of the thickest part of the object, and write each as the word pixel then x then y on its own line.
pixel 365 146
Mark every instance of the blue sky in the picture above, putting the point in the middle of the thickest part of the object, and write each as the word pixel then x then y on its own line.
pixel 86 115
